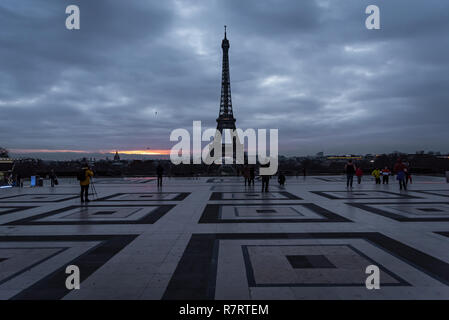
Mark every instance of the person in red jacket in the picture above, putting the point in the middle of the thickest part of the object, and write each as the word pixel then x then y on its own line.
pixel 408 176
pixel 399 166
pixel 359 175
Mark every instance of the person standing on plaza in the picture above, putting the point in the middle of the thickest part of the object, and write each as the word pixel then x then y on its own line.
pixel 281 179
pixel 53 179
pixel 159 172
pixel 246 176
pixel 399 166
pixel 84 178
pixel 376 174
pixel 408 176
pixel 19 182
pixel 350 170
pixel 385 175
pixel 401 176
pixel 265 179
pixel 359 174
pixel 252 175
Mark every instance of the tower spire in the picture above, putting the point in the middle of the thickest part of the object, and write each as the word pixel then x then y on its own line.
pixel 226 118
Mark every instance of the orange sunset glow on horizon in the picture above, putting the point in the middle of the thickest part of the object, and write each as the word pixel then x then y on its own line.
pixel 155 152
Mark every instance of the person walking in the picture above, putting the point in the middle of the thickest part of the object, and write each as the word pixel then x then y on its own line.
pixel 385 175
pixel 84 179
pixel 350 171
pixel 265 179
pixel 399 166
pixel 53 179
pixel 245 173
pixel 159 172
pixel 19 182
pixel 252 175
pixel 401 176
pixel 281 179
pixel 376 174
pixel 408 176
pixel 359 174
pixel 265 182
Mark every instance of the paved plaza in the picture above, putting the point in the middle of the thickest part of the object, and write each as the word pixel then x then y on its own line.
pixel 214 238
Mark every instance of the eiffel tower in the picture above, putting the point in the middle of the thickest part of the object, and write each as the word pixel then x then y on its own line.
pixel 226 118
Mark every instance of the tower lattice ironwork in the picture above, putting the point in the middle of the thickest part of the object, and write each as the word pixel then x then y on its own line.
pixel 225 118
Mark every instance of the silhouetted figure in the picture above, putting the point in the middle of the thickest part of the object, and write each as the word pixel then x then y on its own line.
pixel 265 183
pixel 385 175
pixel 84 178
pixel 19 182
pixel 304 172
pixel 401 176
pixel 399 166
pixel 265 179
pixel 53 179
pixel 281 179
pixel 359 174
pixel 350 171
pixel 159 172
pixel 246 176
pixel 408 176
pixel 252 175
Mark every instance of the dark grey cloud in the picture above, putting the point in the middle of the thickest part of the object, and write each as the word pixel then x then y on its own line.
pixel 138 69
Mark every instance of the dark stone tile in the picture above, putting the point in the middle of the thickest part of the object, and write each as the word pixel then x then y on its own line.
pixel 52 286
pixel 202 286
pixel 146 196
pixel 150 218
pixel 364 196
pixel 430 210
pixel 211 214
pixel 250 196
pixel 37 198
pixel 13 209
pixel 376 210
pixel 104 212
pixel 309 262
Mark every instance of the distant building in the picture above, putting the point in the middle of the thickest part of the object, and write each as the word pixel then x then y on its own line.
pixel 116 157
pixel 345 157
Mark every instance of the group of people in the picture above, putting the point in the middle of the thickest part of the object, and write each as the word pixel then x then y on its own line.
pixel 85 178
pixel 401 170
pixel 13 179
pixel 384 173
pixel 249 173
pixel 16 179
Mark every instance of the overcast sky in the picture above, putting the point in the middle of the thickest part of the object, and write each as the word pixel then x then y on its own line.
pixel 138 69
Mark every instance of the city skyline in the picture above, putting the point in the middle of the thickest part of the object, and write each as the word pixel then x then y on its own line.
pixel 135 72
